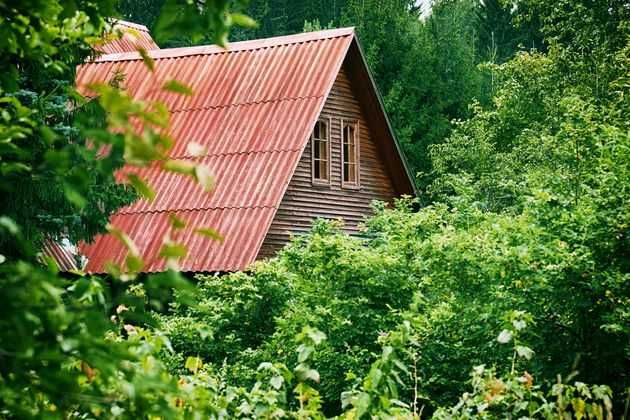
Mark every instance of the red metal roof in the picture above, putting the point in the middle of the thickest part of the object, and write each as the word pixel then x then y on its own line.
pixel 133 37
pixel 253 108
pixel 63 255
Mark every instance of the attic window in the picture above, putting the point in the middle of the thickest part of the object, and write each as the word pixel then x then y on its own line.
pixel 350 154
pixel 320 152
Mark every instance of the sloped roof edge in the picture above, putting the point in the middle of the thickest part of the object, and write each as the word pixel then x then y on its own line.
pixel 379 98
pixel 354 41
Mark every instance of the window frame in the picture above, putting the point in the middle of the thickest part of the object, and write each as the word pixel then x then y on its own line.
pixel 357 156
pixel 318 181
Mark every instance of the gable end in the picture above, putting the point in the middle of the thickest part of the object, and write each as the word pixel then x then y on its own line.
pixel 305 200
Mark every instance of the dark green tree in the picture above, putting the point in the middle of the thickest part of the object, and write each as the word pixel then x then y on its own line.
pixel 501 33
pixel 426 70
pixel 144 12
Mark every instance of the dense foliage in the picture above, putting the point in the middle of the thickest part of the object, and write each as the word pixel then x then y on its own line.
pixel 60 353
pixel 327 281
pixel 528 220
pixel 43 119
pixel 504 296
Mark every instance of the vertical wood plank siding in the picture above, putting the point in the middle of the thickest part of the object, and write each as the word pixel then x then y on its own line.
pixel 304 202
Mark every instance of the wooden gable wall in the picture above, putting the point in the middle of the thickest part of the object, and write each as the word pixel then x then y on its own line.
pixel 305 202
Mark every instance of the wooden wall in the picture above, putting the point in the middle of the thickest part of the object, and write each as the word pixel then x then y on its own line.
pixel 304 202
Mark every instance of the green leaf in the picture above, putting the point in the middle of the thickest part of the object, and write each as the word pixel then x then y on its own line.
pixel 316 335
pixel 312 374
pixel 264 366
pixel 177 87
pixel 210 233
pixel 133 262
pixel 243 20
pixel 519 324
pixel 148 61
pixel 180 166
pixel 504 337
pixel 525 352
pixel 123 238
pixel 362 404
pixel 74 196
pixel 176 222
pixel 141 187
pixel 14 167
pixel 276 382
pixel 304 352
pixel 375 376
pixel 305 373
pixel 203 176
pixel 193 364
pixel 9 225
pixel 173 250
pixel 196 149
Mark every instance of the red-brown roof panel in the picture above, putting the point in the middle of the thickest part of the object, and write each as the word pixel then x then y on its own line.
pixel 63 256
pixel 252 109
pixel 133 37
pixel 227 78
pixel 240 182
pixel 240 228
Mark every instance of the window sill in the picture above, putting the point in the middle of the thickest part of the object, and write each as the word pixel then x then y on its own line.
pixel 346 186
pixel 320 184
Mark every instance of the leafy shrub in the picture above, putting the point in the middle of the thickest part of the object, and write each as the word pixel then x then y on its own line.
pixel 529 213
pixel 326 280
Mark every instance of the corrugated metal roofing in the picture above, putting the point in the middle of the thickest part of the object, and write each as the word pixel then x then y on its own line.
pixel 253 108
pixel 63 256
pixel 133 37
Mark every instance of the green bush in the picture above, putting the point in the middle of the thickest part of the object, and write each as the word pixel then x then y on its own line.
pixel 529 213
pixel 326 279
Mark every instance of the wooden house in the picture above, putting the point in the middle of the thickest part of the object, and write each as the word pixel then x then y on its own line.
pixel 293 128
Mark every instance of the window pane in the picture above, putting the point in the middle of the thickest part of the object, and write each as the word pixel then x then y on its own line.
pixel 352 173
pixel 320 155
pixel 350 164
pixel 323 149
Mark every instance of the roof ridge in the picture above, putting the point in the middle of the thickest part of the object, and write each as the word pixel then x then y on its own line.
pixel 264 101
pixel 250 45
pixel 193 209
pixel 132 25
